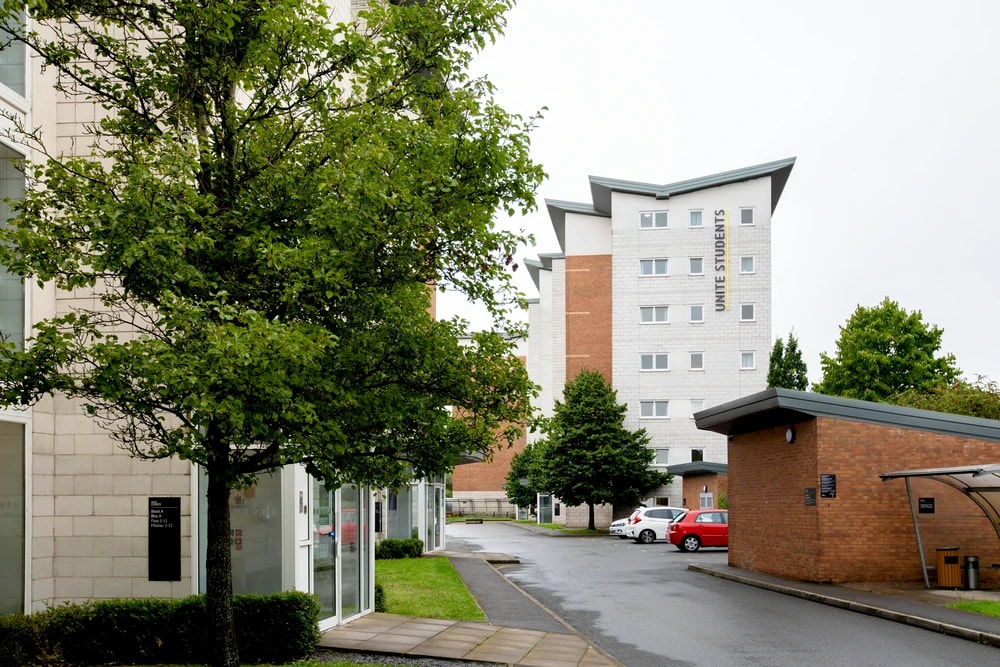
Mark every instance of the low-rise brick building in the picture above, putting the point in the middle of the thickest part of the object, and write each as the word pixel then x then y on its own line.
pixel 806 500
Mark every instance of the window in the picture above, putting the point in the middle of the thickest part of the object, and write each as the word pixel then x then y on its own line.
pixel 746 312
pixel 11 285
pixel 661 457
pixel 12 65
pixel 746 216
pixel 697 361
pixel 653 267
pixel 747 362
pixel 695 219
pixel 654 409
pixel 654 362
pixel 651 219
pixel 746 264
pixel 697 266
pixel 653 314
pixel 697 455
pixel 697 313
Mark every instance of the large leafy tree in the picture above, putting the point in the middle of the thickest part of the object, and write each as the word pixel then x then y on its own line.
pixel 590 457
pixel 787 369
pixel 523 482
pixel 885 350
pixel 263 205
pixel 980 398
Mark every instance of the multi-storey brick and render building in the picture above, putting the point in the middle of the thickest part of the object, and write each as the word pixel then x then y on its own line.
pixel 75 509
pixel 666 290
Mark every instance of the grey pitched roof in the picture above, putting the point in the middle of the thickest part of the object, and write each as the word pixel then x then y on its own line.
pixel 779 170
pixel 543 263
pixel 699 467
pixel 782 407
pixel 601 189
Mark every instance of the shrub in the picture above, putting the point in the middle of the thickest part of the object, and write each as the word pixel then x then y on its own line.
pixel 275 629
pixel 396 548
pixel 379 598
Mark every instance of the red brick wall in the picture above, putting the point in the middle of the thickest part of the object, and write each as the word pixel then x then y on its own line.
pixel 866 532
pixel 693 485
pixel 588 315
pixel 489 475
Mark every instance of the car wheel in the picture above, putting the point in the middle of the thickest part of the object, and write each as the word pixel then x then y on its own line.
pixel 690 543
pixel 647 537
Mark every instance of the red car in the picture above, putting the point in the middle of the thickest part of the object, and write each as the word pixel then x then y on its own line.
pixel 699 528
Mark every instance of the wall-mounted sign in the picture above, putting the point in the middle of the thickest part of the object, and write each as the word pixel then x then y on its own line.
pixel 810 496
pixel 164 540
pixel 827 486
pixel 721 259
pixel 925 505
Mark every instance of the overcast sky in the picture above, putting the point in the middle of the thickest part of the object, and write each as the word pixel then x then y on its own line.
pixel 891 109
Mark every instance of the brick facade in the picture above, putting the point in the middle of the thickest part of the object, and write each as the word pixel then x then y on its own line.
pixel 588 315
pixel 865 533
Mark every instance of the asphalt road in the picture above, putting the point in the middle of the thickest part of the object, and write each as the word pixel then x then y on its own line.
pixel 643 606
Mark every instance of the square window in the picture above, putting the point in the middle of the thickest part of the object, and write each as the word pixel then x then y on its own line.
pixel 697 266
pixel 653 267
pixel 654 362
pixel 645 220
pixel 697 361
pixel 653 314
pixel 662 362
pixel 654 409
pixel 698 313
pixel 746 312
pixel 662 456
pixel 746 216
pixel 746 264
pixel 660 219
pixel 747 361
pixel 645 362
pixel 696 219
pixel 697 455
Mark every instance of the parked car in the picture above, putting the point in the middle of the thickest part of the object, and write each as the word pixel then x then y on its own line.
pixel 617 528
pixel 700 528
pixel 648 524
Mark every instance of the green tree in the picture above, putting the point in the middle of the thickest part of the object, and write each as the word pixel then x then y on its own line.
pixel 980 398
pixel 523 482
pixel 787 368
pixel 883 351
pixel 591 458
pixel 265 201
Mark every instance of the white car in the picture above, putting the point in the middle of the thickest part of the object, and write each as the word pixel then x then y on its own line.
pixel 617 528
pixel 648 524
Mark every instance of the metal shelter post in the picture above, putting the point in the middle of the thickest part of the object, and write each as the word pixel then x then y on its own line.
pixel 916 528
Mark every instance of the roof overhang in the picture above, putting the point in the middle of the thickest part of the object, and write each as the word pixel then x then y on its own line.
pixel 781 407
pixel 699 468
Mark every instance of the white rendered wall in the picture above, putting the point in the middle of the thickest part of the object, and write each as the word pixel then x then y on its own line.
pixel 721 337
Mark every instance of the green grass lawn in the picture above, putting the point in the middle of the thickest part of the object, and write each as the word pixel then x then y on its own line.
pixel 984 607
pixel 428 587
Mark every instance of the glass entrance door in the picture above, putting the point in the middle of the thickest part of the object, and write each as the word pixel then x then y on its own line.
pixel 324 563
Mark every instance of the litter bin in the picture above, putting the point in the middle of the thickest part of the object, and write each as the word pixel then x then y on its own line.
pixel 971 572
pixel 949 572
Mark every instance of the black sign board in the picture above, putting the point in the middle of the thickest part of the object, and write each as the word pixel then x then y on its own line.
pixel 810 496
pixel 925 505
pixel 164 539
pixel 827 486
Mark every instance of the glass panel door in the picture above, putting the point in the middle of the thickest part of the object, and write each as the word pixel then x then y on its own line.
pixel 353 531
pixel 324 548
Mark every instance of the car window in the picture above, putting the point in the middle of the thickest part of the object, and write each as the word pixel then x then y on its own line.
pixel 680 517
pixel 705 518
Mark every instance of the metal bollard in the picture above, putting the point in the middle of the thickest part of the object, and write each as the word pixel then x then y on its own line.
pixel 971 573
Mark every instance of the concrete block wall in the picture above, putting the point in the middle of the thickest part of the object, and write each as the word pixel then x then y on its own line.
pixel 865 533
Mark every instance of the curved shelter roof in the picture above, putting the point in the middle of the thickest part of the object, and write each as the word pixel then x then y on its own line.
pixel 981 483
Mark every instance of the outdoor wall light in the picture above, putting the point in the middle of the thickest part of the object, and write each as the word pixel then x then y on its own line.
pixel 790 435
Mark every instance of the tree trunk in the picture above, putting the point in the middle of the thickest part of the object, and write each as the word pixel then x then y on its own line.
pixel 219 575
pixel 591 524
